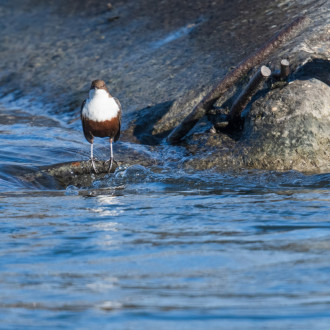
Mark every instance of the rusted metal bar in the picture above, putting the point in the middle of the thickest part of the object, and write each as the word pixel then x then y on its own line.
pixel 245 97
pixel 284 72
pixel 231 78
pixel 285 69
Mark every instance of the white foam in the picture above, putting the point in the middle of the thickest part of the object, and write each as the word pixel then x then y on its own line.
pixel 99 106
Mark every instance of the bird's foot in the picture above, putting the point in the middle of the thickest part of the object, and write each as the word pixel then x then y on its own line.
pixel 93 165
pixel 110 164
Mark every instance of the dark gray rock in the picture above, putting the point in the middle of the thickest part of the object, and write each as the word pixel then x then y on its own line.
pixel 76 173
pixel 289 128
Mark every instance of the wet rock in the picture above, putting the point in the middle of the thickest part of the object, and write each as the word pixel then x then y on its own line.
pixel 78 173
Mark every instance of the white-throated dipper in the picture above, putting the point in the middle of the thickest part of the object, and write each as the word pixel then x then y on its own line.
pixel 101 116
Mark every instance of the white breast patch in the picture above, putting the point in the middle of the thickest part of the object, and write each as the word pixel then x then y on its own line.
pixel 99 106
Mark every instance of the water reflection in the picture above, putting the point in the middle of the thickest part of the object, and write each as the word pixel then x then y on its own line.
pixel 110 206
pixel 106 283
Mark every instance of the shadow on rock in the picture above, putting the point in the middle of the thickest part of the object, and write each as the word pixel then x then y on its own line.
pixel 317 68
pixel 142 128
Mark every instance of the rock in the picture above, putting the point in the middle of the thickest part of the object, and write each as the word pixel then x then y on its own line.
pixel 287 128
pixel 77 173
pixel 290 128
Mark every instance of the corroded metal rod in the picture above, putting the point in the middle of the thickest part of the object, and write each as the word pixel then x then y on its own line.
pixel 231 78
pixel 284 72
pixel 245 97
pixel 285 69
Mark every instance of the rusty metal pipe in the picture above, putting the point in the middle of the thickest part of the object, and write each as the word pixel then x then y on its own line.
pixel 246 95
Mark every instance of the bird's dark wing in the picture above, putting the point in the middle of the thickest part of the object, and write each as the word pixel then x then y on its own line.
pixel 119 119
pixel 87 133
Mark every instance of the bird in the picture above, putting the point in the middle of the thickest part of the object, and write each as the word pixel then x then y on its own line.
pixel 101 117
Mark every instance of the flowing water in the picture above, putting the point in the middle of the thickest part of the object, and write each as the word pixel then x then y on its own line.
pixel 155 246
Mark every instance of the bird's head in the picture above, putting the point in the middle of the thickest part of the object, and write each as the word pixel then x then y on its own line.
pixel 98 86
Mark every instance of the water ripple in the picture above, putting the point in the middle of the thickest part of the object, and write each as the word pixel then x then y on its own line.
pixel 157 244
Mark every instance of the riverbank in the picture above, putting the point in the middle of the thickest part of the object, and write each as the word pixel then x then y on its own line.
pixel 159 60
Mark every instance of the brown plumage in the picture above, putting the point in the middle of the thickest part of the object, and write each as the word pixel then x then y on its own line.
pixel 108 128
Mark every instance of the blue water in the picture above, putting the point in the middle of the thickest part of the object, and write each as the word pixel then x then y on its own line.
pixel 156 246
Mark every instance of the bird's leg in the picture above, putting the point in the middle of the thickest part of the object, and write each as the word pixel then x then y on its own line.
pixel 92 159
pixel 111 156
